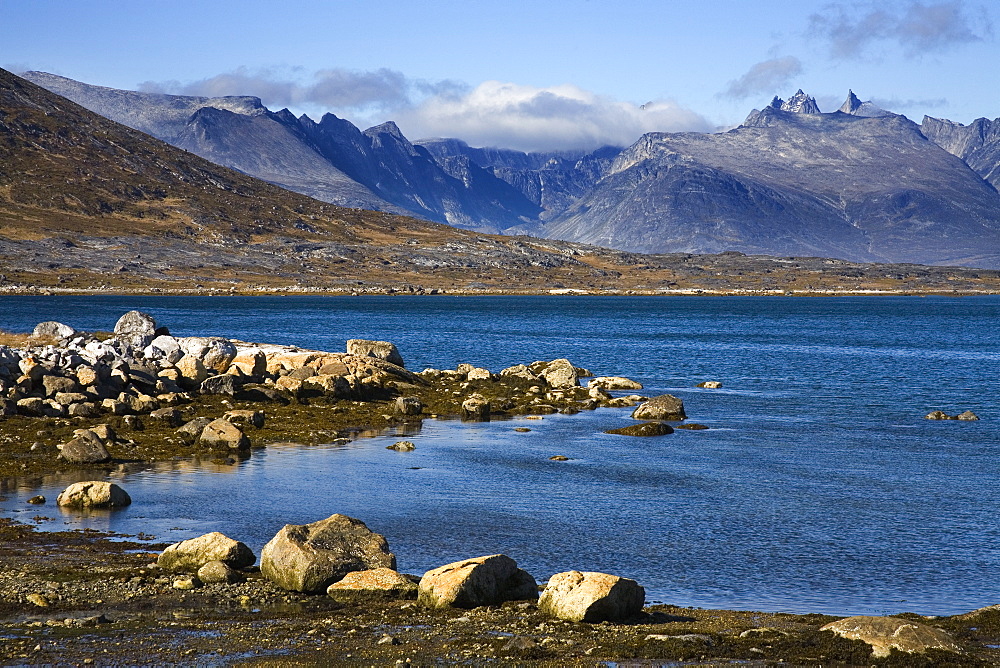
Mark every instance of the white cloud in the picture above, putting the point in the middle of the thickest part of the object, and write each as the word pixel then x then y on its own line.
pixel 493 113
pixel 765 77
pixel 916 27
pixel 528 118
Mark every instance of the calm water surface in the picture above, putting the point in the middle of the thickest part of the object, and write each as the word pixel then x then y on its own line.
pixel 818 488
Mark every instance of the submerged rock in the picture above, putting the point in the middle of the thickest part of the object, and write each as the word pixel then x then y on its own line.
pixel 591 597
pixel 311 557
pixel 710 385
pixel 643 429
pixel 402 446
pixel 488 580
pixel 887 633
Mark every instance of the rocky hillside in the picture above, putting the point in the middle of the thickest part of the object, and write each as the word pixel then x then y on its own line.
pixel 88 204
pixel 334 161
pixel 978 143
pixel 865 188
pixel 861 184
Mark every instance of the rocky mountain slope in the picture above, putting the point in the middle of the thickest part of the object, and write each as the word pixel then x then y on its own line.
pixel 866 188
pixel 978 143
pixel 86 202
pixel 861 184
pixel 378 169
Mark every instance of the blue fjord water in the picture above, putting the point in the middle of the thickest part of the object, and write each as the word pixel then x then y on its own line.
pixel 818 488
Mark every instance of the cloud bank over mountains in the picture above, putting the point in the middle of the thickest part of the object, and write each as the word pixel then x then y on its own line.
pixel 493 113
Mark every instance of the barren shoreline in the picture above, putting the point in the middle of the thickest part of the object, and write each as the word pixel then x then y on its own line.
pixel 83 596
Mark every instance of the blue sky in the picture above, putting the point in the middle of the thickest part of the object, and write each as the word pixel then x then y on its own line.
pixel 529 75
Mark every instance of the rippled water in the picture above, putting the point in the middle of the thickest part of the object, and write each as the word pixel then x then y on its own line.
pixel 818 488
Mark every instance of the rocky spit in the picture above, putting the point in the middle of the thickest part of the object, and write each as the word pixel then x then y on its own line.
pixel 329 592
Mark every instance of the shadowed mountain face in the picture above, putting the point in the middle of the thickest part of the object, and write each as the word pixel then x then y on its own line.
pixel 332 160
pixel 978 143
pixel 794 183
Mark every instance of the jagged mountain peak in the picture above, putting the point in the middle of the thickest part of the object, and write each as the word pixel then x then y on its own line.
pixel 387 128
pixel 854 106
pixel 800 103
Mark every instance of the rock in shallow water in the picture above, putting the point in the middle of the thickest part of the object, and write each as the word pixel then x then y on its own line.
pixel 643 429
pixel 94 494
pixel 663 407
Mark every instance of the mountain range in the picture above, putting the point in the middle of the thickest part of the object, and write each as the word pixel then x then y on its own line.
pixel 861 183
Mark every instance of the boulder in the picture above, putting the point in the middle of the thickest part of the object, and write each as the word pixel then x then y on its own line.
pixel 93 494
pixel 591 597
pixel 192 371
pixel 86 448
pixel 56 330
pixel 967 416
pixel 166 348
pixel 614 383
pixel 190 555
pixel 938 415
pixel 377 584
pixel 245 417
pixel 225 383
pixel 488 580
pixel 710 385
pixel 559 374
pixel 136 328
pixel 311 557
pixel 476 407
pixel 383 350
pixel 663 407
pixel 887 633
pixel 643 429
pixel 409 406
pixel 402 446
pixel 251 361
pixel 219 572
pixel 479 373
pixel 55 384
pixel 214 352
pixel 191 431
pixel 519 371
pixel 171 416
pixel 223 434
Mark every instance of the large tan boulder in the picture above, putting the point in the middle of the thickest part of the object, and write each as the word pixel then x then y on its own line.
pixel 223 435
pixel 663 407
pixel 591 597
pixel 377 584
pixel 488 580
pixel 190 555
pixel 93 494
pixel 614 383
pixel 311 557
pixel 383 350
pixel 559 374
pixel 887 633
pixel 214 352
